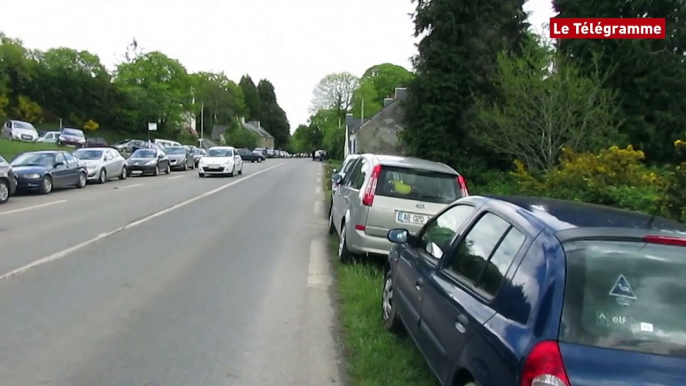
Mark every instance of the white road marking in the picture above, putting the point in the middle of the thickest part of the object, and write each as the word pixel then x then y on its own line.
pixel 319 180
pixel 319 208
pixel 63 253
pixel 130 186
pixel 318 272
pixel 318 190
pixel 175 177
pixel 33 207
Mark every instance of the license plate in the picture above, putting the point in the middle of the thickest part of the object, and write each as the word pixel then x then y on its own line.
pixel 412 218
pixel 25 137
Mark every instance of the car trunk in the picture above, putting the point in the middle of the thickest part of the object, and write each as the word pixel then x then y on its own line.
pixel 592 366
pixel 408 198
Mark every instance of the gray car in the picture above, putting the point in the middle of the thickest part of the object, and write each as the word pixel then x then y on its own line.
pixel 180 157
pixel 382 192
pixel 8 182
pixel 103 164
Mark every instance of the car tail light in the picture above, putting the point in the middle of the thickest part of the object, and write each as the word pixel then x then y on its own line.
pixel 360 227
pixel 462 183
pixel 544 366
pixel 666 240
pixel 368 199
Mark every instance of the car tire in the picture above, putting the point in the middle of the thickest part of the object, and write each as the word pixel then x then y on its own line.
pixel 389 313
pixel 46 185
pixel 201 175
pixel 83 180
pixel 157 171
pixel 240 171
pixel 124 173
pixel 168 169
pixel 4 191
pixel 102 178
pixel 344 254
pixel 233 171
pixel 185 167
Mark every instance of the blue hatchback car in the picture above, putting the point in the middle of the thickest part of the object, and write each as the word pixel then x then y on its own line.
pixel 524 291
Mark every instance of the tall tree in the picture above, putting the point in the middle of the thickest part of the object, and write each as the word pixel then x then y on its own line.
pixel 223 100
pixel 17 74
pixel 273 117
pixel 649 75
pixel 457 56
pixel 335 92
pixel 377 83
pixel 252 99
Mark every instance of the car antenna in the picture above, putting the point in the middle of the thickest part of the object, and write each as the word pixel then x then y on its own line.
pixel 660 205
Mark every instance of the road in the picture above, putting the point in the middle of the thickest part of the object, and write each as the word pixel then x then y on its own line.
pixel 170 280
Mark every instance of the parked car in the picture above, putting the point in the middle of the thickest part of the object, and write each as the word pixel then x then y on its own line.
pixel 180 157
pixel 103 164
pixel 8 182
pixel 48 137
pixel 71 137
pixel 129 145
pixel 96 142
pixel 261 150
pixel 221 160
pixel 43 171
pixel 197 154
pixel 248 156
pixel 339 175
pixel 382 191
pixel 165 142
pixel 19 131
pixel 148 161
pixel 531 291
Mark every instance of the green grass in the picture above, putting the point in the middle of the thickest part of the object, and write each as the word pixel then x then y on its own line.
pixel 375 356
pixel 10 149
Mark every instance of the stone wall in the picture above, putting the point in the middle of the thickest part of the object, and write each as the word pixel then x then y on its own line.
pixel 380 134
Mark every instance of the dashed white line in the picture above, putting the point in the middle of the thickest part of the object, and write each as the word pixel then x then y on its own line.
pixel 32 207
pixel 130 186
pixel 318 190
pixel 319 180
pixel 66 252
pixel 175 177
pixel 318 268
pixel 319 208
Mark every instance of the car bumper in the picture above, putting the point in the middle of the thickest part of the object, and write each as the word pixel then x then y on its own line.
pixel 28 183
pixel 177 165
pixel 141 169
pixel 24 137
pixel 70 143
pixel 220 170
pixel 362 243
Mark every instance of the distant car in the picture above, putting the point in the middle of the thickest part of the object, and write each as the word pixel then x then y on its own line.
pixel 42 171
pixel 221 160
pixel 71 137
pixel 180 157
pixel 129 145
pixel 19 131
pixel 148 161
pixel 48 137
pixel 96 142
pixel 249 156
pixel 103 164
pixel 8 182
pixel 197 154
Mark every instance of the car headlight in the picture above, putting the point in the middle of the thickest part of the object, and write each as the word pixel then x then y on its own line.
pixel 150 163
pixel 31 176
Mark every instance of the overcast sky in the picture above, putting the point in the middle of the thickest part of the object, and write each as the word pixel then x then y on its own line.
pixel 292 43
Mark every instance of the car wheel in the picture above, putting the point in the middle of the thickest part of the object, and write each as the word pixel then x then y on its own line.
pixel 4 191
pixel 344 254
pixel 201 175
pixel 157 171
pixel 240 171
pixel 168 170
pixel 103 177
pixel 233 171
pixel 124 173
pixel 46 185
pixel 82 180
pixel 185 167
pixel 389 313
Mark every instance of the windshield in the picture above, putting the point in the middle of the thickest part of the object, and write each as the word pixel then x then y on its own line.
pixel 72 132
pixel 143 153
pixel 626 296
pixel 220 153
pixel 88 154
pixel 418 185
pixel 176 150
pixel 22 125
pixel 259 149
pixel 34 159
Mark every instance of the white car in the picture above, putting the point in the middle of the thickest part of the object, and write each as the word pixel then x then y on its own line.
pixel 102 164
pixel 220 160
pixel 19 131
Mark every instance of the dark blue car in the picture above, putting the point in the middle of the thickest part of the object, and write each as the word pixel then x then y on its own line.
pixel 42 171
pixel 523 291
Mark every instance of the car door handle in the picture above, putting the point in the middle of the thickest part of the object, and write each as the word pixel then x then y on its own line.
pixel 461 323
pixel 418 285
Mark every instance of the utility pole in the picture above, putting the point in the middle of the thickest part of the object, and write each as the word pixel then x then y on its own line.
pixel 202 121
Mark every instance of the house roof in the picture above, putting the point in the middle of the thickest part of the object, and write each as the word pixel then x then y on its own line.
pixel 255 128
pixel 352 123
pixel 218 130
pixel 400 94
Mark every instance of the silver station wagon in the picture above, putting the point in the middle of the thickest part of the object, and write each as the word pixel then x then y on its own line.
pixel 381 192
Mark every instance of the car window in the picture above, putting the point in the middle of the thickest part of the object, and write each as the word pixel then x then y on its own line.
pixel 473 253
pixel 625 295
pixel 439 233
pixel 70 159
pixel 59 158
pixel 361 175
pixel 354 171
pixel 418 185
pixel 494 272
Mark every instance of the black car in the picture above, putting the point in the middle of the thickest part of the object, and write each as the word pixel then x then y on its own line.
pixel 197 154
pixel 180 157
pixel 42 171
pixel 71 137
pixel 249 156
pixel 8 181
pixel 148 161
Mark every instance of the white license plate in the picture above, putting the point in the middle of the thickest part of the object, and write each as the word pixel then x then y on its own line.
pixel 412 218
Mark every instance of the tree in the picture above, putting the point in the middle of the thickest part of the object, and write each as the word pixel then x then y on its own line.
pixel 328 122
pixel 17 74
pixel 335 92
pixel 543 111
pixel 307 138
pixel 240 137
pixel 223 99
pixel 252 98
pixel 649 75
pixel 377 83
pixel 457 56
pixel 272 116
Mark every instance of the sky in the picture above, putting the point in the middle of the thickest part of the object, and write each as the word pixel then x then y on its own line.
pixel 292 43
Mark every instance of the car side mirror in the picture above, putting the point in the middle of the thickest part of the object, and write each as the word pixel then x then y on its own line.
pixel 398 236
pixel 334 171
pixel 337 179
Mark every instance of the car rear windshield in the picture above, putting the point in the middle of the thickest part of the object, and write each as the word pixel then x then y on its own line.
pixel 626 296
pixel 419 185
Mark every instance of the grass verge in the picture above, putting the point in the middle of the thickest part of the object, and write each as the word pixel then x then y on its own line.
pixel 10 149
pixel 375 356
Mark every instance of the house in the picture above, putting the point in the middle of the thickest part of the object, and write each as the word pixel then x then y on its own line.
pixel 379 134
pixel 265 140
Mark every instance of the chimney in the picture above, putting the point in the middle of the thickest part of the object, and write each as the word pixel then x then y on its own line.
pixel 258 125
pixel 387 101
pixel 243 120
pixel 400 93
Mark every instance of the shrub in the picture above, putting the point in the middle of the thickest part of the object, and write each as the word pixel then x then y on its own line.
pixel 91 125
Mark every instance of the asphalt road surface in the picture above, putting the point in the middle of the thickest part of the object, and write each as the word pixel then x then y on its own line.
pixel 170 280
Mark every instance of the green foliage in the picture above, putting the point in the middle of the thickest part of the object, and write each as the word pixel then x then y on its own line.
pixel 335 92
pixel 90 125
pixel 222 99
pixel 272 116
pixel 377 83
pixel 252 98
pixel 238 136
pixel 307 138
